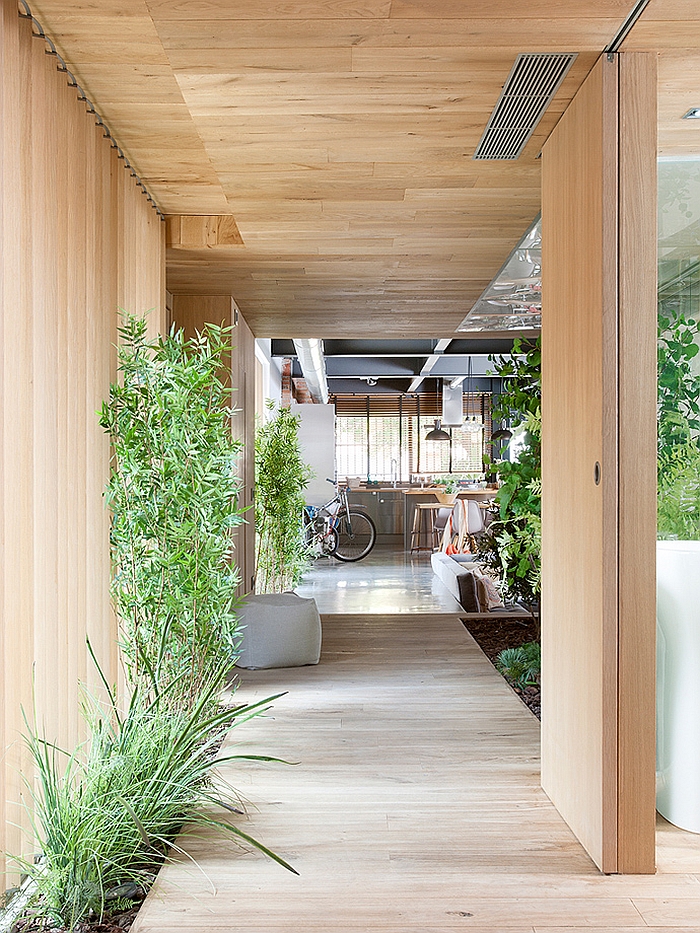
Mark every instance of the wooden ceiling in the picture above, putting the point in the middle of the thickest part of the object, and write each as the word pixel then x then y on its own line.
pixel 339 135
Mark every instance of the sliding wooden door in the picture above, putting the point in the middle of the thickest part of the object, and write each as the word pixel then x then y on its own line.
pixel 599 327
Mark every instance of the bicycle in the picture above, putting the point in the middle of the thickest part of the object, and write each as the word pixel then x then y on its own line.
pixel 338 530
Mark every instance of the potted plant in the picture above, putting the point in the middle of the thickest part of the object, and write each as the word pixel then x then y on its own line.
pixel 450 490
pixel 678 573
pixel 279 628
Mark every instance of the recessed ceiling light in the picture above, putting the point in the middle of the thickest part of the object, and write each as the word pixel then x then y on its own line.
pixel 692 114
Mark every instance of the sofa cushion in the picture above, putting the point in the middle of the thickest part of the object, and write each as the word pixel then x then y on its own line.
pixel 487 592
pixel 450 572
pixel 468 591
pixel 463 558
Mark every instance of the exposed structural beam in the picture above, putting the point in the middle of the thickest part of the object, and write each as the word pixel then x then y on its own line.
pixel 373 367
pixel 313 366
pixel 198 231
pixel 429 364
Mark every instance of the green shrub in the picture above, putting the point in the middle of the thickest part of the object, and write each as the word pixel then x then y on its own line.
pixel 281 476
pixel 521 665
pixel 174 500
pixel 678 499
pixel 678 383
pixel 108 813
pixel 511 547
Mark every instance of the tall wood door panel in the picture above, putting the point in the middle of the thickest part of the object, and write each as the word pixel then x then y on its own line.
pixel 191 313
pixel 599 322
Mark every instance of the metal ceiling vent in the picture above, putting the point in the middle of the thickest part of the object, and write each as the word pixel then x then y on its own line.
pixel 531 84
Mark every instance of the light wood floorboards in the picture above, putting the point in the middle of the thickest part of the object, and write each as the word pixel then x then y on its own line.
pixel 415 806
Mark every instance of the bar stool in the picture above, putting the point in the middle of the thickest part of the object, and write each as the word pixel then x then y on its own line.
pixel 424 528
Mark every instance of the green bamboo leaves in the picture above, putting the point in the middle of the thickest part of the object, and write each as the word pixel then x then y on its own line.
pixel 174 501
pixel 281 476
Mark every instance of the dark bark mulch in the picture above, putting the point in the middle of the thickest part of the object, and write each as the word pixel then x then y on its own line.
pixel 118 922
pixel 493 635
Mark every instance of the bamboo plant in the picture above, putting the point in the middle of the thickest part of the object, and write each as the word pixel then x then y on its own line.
pixel 174 500
pixel 281 476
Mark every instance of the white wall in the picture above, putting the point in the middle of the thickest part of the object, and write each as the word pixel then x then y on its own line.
pixel 317 437
pixel 272 376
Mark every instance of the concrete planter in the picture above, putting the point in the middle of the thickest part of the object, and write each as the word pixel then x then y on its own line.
pixel 678 683
pixel 279 630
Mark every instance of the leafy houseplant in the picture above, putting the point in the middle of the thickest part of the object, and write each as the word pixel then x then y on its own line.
pixel 449 482
pixel 281 476
pixel 678 384
pixel 173 495
pixel 678 500
pixel 450 486
pixel 678 571
pixel 512 545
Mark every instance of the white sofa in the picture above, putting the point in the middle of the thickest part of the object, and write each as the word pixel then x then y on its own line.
pixel 461 577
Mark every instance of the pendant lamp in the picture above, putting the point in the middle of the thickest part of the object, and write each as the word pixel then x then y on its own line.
pixel 437 433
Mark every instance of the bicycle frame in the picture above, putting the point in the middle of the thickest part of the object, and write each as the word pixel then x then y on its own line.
pixel 329 517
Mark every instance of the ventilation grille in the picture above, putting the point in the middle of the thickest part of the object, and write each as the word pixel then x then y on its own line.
pixel 531 84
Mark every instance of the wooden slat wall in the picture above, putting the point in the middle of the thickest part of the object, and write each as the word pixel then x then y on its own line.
pixel 78 240
pixel 191 313
pixel 598 604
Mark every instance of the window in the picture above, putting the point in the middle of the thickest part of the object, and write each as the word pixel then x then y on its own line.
pixel 382 437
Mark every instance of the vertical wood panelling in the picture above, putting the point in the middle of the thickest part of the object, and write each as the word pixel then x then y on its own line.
pixel 598 366
pixel 243 375
pixel 17 604
pixel 78 238
pixel 575 210
pixel 637 426
pixel 191 313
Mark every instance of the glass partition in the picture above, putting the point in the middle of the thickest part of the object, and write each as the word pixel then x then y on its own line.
pixel 679 350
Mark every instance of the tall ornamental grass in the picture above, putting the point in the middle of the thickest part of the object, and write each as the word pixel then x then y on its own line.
pixel 108 814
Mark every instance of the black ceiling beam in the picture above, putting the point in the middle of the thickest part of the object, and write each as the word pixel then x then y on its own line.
pixel 373 366
pixel 401 348
pixel 347 386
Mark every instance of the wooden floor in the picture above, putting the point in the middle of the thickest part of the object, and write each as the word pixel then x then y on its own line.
pixel 415 806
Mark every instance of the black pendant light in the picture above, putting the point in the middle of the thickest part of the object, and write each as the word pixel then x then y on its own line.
pixel 503 435
pixel 437 433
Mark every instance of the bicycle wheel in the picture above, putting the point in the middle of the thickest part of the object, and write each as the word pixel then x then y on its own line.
pixel 356 536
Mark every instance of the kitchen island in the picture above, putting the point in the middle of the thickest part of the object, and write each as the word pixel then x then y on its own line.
pixel 392 507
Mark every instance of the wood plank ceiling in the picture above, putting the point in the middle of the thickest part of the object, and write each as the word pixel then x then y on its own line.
pixel 339 134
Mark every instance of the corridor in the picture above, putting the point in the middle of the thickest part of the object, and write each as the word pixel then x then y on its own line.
pixel 413 805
